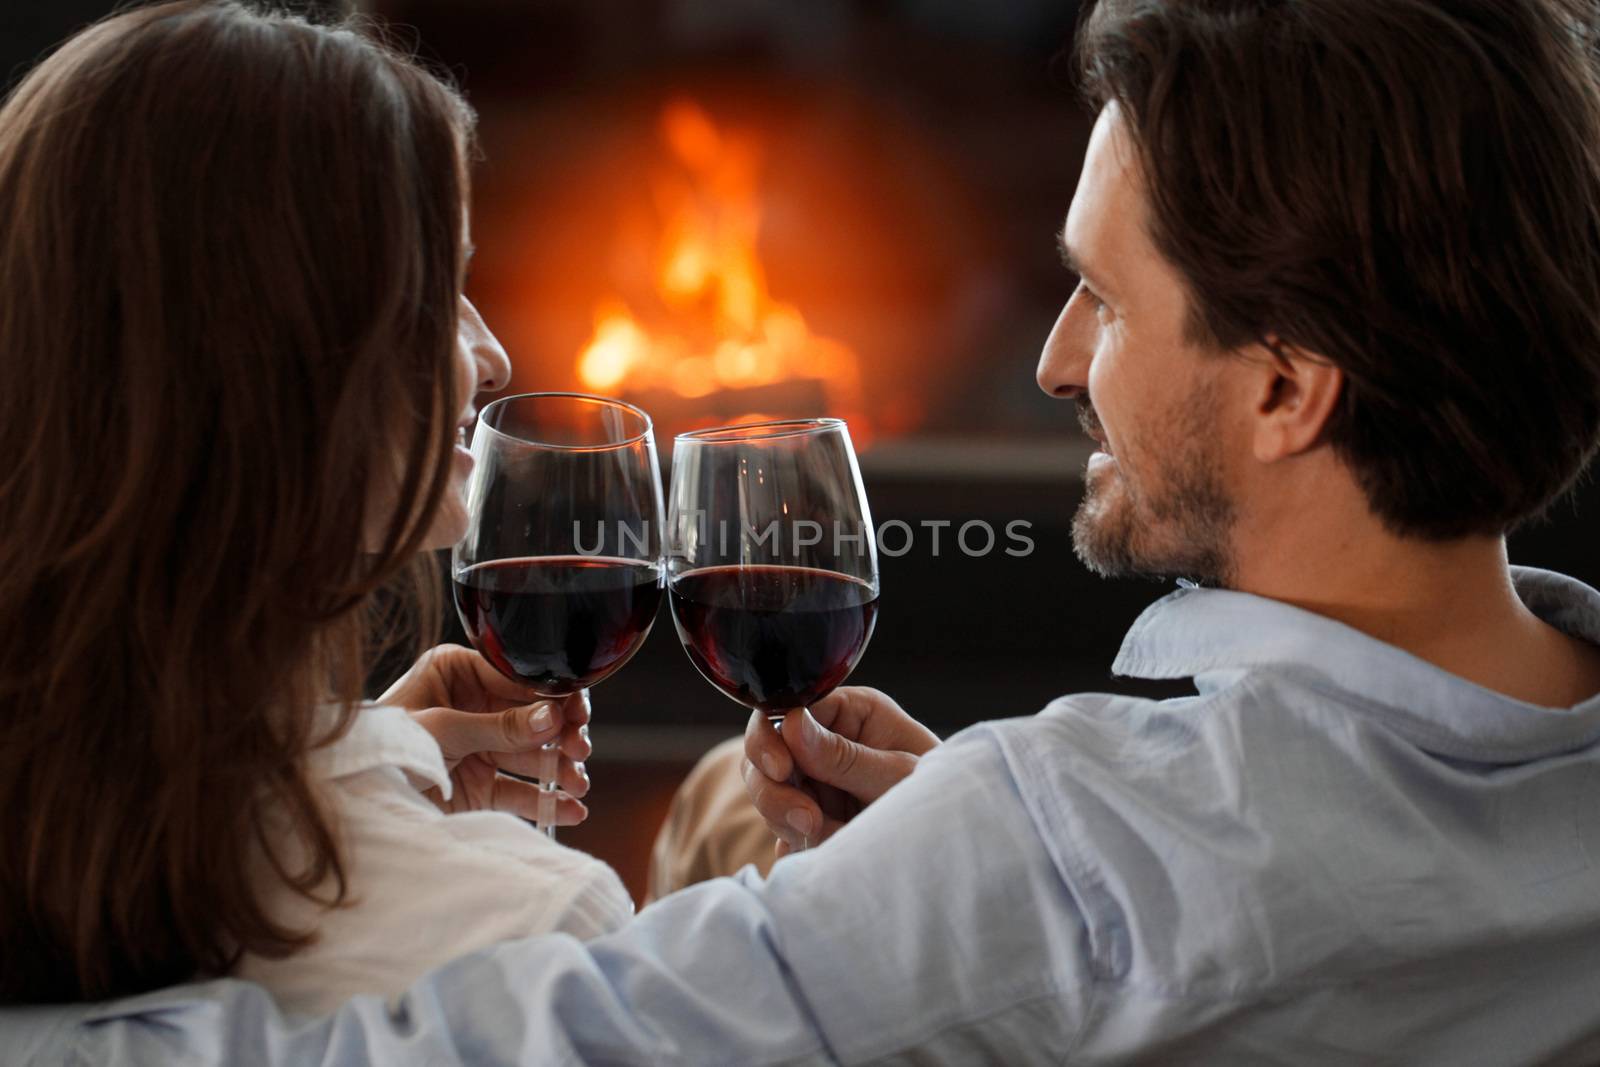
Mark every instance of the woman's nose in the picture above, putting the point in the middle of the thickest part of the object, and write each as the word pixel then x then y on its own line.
pixel 493 365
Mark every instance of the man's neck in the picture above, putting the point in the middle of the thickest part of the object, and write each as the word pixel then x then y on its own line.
pixel 1452 604
pixel 1403 593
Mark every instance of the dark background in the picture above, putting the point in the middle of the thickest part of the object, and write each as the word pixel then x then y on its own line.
pixel 922 154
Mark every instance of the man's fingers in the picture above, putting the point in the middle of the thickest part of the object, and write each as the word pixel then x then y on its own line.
pixel 865 773
pixel 793 842
pixel 764 748
pixel 845 709
pixel 863 746
pixel 873 718
pixel 790 813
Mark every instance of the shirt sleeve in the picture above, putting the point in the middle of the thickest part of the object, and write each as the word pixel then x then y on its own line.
pixel 561 889
pixel 933 929
pixel 600 906
pixel 424 889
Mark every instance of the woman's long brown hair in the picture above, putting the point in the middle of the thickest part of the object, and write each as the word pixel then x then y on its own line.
pixel 230 259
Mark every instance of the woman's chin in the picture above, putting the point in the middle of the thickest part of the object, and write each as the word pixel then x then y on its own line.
pixel 449 524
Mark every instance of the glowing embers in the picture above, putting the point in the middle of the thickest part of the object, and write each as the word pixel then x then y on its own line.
pixel 706 324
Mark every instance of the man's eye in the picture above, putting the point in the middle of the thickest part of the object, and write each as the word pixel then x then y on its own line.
pixel 1095 302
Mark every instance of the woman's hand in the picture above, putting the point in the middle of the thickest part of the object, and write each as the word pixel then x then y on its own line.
pixel 850 748
pixel 485 723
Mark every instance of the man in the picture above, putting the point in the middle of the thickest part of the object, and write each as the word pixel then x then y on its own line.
pixel 1338 329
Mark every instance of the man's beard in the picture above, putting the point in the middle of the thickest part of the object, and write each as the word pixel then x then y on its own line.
pixel 1178 524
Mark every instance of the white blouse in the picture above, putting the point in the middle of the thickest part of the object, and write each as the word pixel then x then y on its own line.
pixel 424 886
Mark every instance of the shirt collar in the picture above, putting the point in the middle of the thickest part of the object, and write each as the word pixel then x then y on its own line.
pixel 1212 635
pixel 381 736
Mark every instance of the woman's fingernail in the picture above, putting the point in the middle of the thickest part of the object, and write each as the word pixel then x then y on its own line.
pixel 801 820
pixel 770 765
pixel 542 719
pixel 583 731
pixel 582 772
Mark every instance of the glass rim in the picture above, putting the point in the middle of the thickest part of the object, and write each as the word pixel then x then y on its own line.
pixel 588 398
pixel 769 430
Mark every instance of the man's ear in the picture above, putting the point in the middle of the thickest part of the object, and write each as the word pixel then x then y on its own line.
pixel 1294 393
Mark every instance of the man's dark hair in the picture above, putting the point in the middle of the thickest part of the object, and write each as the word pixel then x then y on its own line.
pixel 1407 188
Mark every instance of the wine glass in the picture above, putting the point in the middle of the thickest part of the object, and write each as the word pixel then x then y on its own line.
pixel 559 576
pixel 772 561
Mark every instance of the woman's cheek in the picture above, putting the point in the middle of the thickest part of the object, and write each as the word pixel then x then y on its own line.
pixel 450 522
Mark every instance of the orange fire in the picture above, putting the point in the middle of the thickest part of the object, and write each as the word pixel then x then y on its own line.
pixel 713 324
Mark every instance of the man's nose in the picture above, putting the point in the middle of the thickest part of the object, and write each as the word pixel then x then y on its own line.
pixel 1064 364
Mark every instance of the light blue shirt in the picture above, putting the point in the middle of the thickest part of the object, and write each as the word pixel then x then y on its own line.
pixel 1334 854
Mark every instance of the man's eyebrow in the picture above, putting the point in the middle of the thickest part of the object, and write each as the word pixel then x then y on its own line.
pixel 1071 261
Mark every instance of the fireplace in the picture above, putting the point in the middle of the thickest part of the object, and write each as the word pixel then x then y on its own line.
pixel 723 211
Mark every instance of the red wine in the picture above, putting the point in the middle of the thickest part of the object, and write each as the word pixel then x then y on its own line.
pixel 558 623
pixel 773 637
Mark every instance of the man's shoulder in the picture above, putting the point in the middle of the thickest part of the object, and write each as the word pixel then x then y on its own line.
pixel 1124 732
pixel 1264 753
pixel 1279 829
pixel 1117 730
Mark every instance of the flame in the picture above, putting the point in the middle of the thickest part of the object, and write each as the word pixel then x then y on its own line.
pixel 719 327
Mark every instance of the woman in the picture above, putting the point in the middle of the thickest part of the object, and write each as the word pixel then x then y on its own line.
pixel 237 362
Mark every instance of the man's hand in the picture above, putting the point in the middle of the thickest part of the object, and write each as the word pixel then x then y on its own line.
pixel 485 723
pixel 850 749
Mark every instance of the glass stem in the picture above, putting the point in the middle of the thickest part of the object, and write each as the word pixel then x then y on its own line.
pixel 796 779
pixel 549 769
